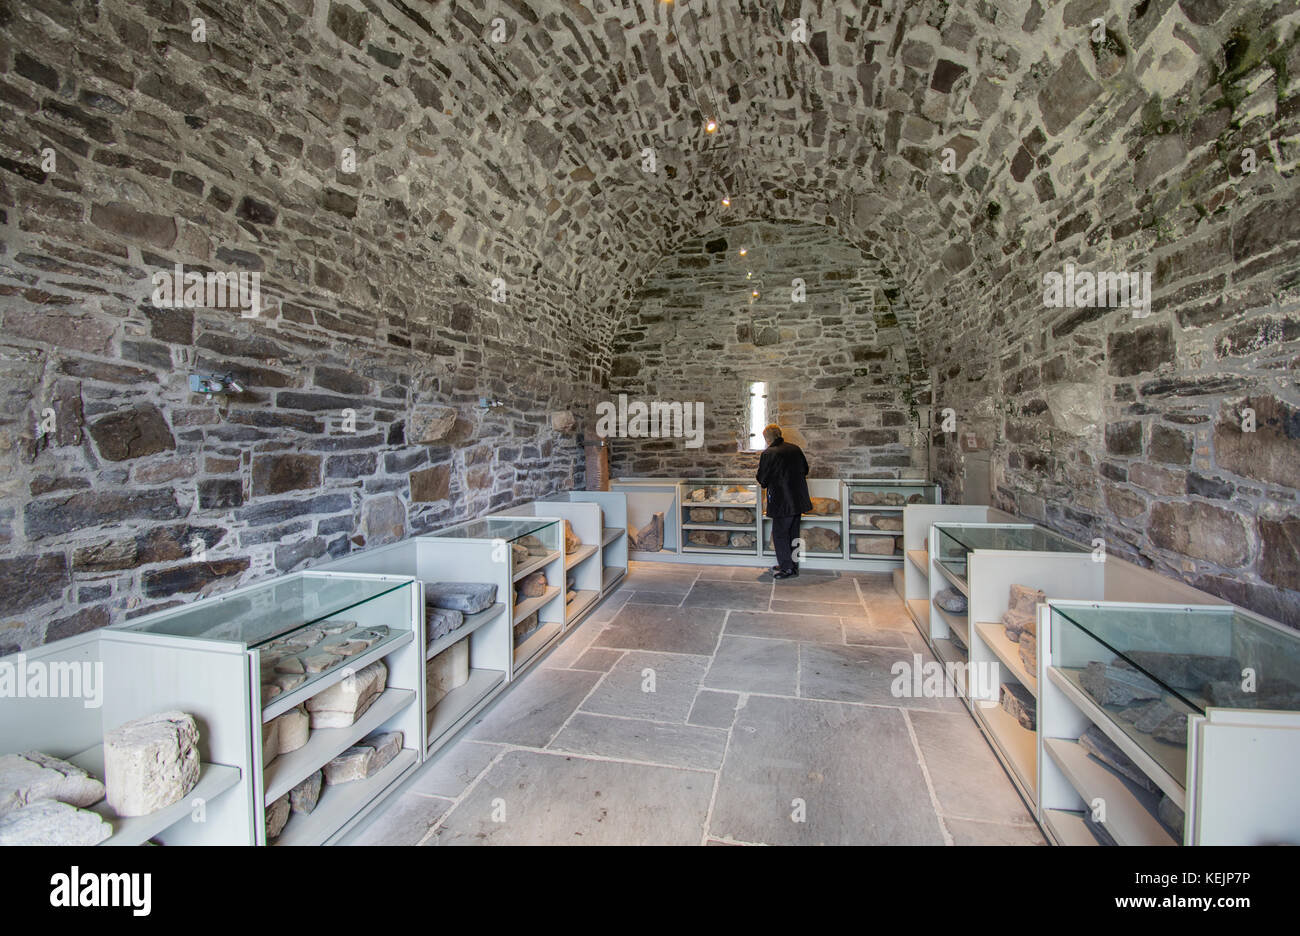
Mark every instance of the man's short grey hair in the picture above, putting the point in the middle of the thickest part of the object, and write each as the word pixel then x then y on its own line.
pixel 772 433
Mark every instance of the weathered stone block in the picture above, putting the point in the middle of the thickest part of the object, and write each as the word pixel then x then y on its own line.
pixel 26 778
pixel 151 762
pixel 347 700
pixel 466 597
pixel 50 822
pixel 303 797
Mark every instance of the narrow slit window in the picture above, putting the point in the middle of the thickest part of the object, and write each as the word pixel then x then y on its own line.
pixel 756 405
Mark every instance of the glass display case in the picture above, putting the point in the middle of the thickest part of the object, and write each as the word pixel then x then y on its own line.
pixel 1150 667
pixel 307 627
pixel 875 514
pixel 719 515
pixel 955 541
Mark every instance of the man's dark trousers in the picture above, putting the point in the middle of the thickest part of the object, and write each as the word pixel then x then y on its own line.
pixel 785 530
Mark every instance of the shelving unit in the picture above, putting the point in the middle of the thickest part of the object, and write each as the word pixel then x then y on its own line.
pixel 917 521
pixel 817 487
pixel 871 508
pixel 1234 775
pixel 642 499
pixel 451 557
pixel 716 534
pixel 195 643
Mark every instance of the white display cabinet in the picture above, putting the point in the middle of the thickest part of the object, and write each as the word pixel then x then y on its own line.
pixel 101 685
pixel 918 518
pixel 613 536
pixel 433 559
pixel 340 624
pixel 646 497
pixel 583 564
pixel 719 517
pixel 1201 702
pixel 873 514
pixel 822 488
pixel 524 544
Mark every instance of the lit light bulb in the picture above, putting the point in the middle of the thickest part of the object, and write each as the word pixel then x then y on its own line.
pixel 743 251
pixel 711 126
pixel 726 202
pixel 754 294
pixel 749 274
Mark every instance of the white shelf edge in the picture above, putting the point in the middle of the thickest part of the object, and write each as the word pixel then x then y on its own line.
pixel 1127 820
pixel 339 803
pixel 529 605
pixel 461 701
pixel 527 650
pixel 995 637
pixel 533 566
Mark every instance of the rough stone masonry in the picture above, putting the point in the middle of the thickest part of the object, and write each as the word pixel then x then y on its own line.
pixel 389 170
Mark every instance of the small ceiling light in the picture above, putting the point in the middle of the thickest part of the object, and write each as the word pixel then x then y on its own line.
pixel 743 251
pixel 726 202
pixel 711 126
pixel 754 294
pixel 749 274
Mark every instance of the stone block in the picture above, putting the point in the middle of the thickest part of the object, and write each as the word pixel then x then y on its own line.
pixel 532 585
pixel 891 522
pixel 1029 651
pixel 304 797
pixel 447 671
pixel 1095 742
pixel 151 762
pixel 348 699
pixel 50 822
pixel 650 538
pixel 1019 703
pixel 439 622
pixel 874 545
pixel 571 541
pixel 277 815
pixel 295 728
pixel 736 515
pixel 25 778
pixel 1117 683
pixel 702 515
pixel 826 507
pixel 466 597
pixel 820 539
pixel 712 538
pixel 951 600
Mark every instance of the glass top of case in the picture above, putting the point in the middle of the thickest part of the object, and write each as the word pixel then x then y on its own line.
pixel 490 528
pixel 1018 538
pixel 255 615
pixel 1213 641
pixel 891 482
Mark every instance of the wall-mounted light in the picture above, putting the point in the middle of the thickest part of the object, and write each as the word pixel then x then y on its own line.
pixel 711 126
pixel 726 202
pixel 744 251
pixel 215 383
pixel 485 403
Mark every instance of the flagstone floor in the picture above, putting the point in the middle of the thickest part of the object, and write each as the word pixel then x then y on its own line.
pixel 709 705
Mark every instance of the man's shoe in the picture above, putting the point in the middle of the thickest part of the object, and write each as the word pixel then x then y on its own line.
pixel 785 575
pixel 775 569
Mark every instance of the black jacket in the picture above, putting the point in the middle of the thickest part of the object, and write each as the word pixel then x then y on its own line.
pixel 783 470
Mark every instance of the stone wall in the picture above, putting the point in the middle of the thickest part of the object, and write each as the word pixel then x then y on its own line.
pixel 1105 422
pixel 835 363
pixel 127 148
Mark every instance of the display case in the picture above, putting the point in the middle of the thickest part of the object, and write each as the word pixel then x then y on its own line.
pixel 644 499
pixel 529 545
pixel 1182 721
pixel 874 512
pixel 582 529
pixel 955 542
pixel 822 528
pixel 307 640
pixel 719 516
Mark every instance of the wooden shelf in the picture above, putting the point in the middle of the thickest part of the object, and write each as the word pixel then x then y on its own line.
pixel 1068 827
pixel 995 636
pixel 461 702
pixel 1018 744
pixel 581 602
pixel 300 694
pixel 339 803
pixel 214 779
pixel 728 527
pixel 872 531
pixel 324 744
pixel 722 550
pixel 534 565
pixel 529 605
pixel 919 609
pixel 687 504
pixel 1130 813
pixel 579 555
pixel 876 508
pixel 535 643
pixel 921 559
pixel 957 583
pixel 472 623
pixel 611 534
pixel 610 576
pixel 956 622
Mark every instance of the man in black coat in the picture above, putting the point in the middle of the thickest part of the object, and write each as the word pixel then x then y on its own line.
pixel 783 470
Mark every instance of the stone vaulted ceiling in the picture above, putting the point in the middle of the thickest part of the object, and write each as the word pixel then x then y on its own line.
pixel 848 128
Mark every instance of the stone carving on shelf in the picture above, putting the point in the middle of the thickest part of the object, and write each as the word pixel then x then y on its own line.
pixel 1117 683
pixel 533 545
pixel 526 627
pixel 26 778
pixel 304 797
pixel 518 553
pixel 864 498
pixel 447 671
pixel 295 728
pixel 270 741
pixel 713 538
pixel 891 522
pixel 736 494
pixel 699 494
pixel 1029 651
pixel 650 538
pixel 532 585
pixel 1159 719
pixel 874 545
pixel 742 540
pixel 1096 743
pixel 348 699
pixel 824 507
pixel 737 515
pixel 819 539
pixel 1020 704
pixel 702 515
pixel 439 622
pixel 50 822
pixel 277 815
pixel 364 759
pixel 571 541
pixel 321 661
pixel 466 597
pixel 951 600
pixel 150 762
pixel 1022 606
